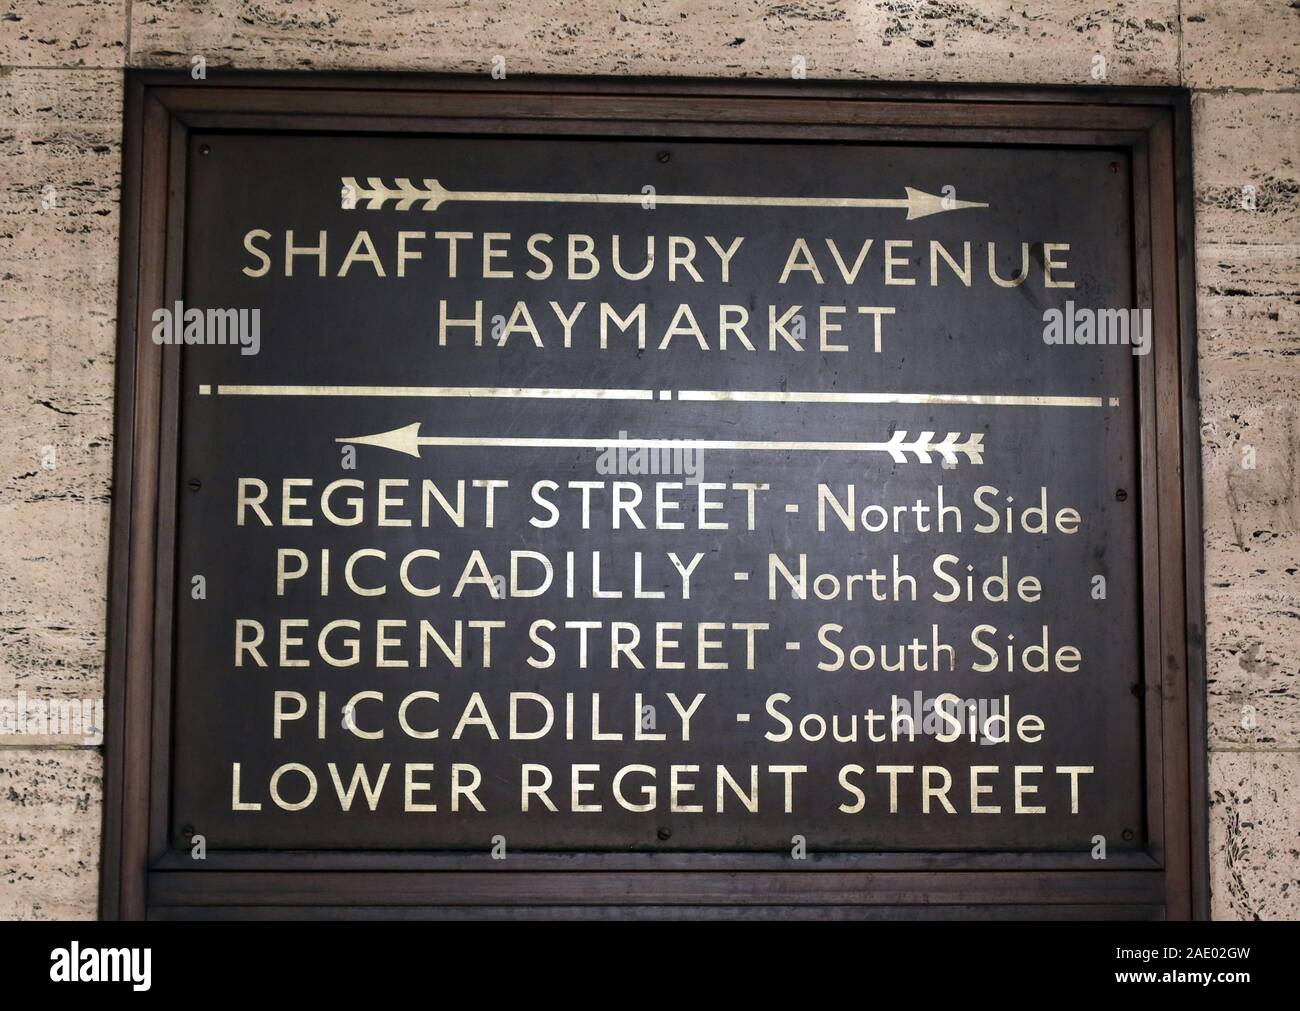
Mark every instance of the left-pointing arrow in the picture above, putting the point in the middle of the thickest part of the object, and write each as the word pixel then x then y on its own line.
pixel 408 440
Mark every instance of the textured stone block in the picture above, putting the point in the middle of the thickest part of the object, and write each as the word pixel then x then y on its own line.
pixel 1251 640
pixel 1231 44
pixel 53 585
pixel 60 142
pixel 1251 490
pixel 985 40
pixel 60 145
pixel 63 33
pixel 1255 836
pixel 50 814
pixel 1250 437
pixel 1248 306
pixel 1247 154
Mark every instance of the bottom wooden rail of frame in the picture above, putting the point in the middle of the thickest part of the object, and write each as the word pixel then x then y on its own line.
pixel 505 888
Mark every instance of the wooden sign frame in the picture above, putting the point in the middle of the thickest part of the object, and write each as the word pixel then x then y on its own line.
pixel 143 877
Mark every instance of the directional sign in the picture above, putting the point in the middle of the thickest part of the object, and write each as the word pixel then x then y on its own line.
pixel 598 487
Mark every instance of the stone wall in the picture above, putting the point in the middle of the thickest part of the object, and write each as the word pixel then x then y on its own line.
pixel 61 64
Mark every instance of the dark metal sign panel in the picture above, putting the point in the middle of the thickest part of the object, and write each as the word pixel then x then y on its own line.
pixel 660 501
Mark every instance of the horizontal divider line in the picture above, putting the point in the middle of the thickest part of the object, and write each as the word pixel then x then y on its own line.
pixel 798 397
pixel 694 396
pixel 472 392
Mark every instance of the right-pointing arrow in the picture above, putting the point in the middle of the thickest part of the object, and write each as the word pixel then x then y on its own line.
pixel 429 194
